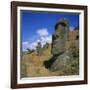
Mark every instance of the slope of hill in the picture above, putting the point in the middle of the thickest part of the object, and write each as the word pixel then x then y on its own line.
pixel 32 64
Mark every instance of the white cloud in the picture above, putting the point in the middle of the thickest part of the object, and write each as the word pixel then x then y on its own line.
pixel 42 32
pixel 44 37
pixel 25 43
pixel 38 40
pixel 31 46
pixel 49 38
pixel 71 28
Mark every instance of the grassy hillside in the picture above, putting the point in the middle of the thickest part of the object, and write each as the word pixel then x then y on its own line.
pixel 32 64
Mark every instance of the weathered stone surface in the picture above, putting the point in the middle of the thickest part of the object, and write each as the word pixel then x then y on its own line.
pixel 60 62
pixel 60 36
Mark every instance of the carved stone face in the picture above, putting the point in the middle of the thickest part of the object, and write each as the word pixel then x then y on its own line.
pixel 59 38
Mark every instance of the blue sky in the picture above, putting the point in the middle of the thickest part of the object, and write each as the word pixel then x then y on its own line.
pixel 39 26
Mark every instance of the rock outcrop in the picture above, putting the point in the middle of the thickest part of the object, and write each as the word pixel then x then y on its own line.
pixel 65 48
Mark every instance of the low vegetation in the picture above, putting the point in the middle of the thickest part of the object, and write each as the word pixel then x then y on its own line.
pixel 32 64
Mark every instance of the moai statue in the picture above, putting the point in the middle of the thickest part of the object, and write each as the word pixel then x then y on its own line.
pixel 60 36
pixel 59 39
